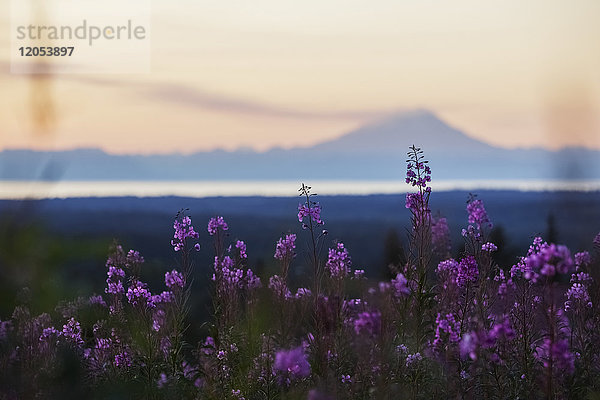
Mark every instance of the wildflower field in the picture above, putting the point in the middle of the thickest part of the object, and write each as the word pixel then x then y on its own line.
pixel 441 327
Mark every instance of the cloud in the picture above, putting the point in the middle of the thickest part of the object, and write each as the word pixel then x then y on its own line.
pixel 191 96
pixel 195 97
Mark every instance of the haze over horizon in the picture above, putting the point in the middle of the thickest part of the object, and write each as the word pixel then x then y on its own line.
pixel 280 74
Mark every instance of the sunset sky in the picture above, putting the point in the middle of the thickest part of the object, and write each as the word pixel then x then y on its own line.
pixel 265 73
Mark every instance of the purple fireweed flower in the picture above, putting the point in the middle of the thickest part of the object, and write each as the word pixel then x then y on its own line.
pixel 577 294
pixel 504 283
pixel 558 354
pixel 597 240
pixel 197 247
pixel 384 287
pixel 174 279
pixel 241 246
pixel 399 283
pixel 468 345
pixel 48 333
pixel 302 293
pixel 346 379
pixel 133 258
pixel 418 172
pixel 221 355
pixel 581 277
pixel 292 362
pixel 165 346
pixel 446 325
pixel 115 273
pixel 582 259
pixel 413 359
pixel 158 320
pixel 477 214
pixel 189 371
pixel 279 287
pixel 467 271
pixel 447 271
pixel 115 288
pixel 359 273
pixel 368 323
pixel 103 343
pixel 163 298
pixel 97 300
pixel 183 231
pixel 72 332
pixel 162 381
pixel 501 330
pixel 402 349
pixel 523 268
pixel 215 223
pixel 138 294
pixel 228 277
pixel 550 260
pixel 285 247
pixel 232 278
pixel 339 262
pixel 252 281
pixel 440 235
pixel 117 257
pixel 489 247
pixel 417 204
pixel 114 281
pixel 312 212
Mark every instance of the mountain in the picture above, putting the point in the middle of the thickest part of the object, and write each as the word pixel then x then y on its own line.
pixel 374 151
pixel 420 127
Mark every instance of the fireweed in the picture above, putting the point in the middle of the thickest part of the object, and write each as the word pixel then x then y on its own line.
pixel 447 324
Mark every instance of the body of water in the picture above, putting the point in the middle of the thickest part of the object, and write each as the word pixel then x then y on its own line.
pixel 15 190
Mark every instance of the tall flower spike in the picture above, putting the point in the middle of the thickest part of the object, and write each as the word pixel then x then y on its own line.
pixel 183 230
pixel 418 174
pixel 310 209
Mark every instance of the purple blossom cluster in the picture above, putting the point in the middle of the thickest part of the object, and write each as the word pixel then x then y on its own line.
pixel 368 323
pixel 478 219
pixel 215 224
pixel 467 271
pixel 489 247
pixel 292 363
pixel 139 295
pixel 183 230
pixel 556 355
pixel 447 329
pixel 312 212
pixel 174 280
pixel 400 286
pixel 71 332
pixel 241 248
pixel 279 287
pixel 285 248
pixel 551 260
pixel 338 262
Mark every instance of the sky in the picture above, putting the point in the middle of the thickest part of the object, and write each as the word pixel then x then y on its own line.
pixel 279 73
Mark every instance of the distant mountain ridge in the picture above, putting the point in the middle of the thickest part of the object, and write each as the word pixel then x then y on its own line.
pixel 374 151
